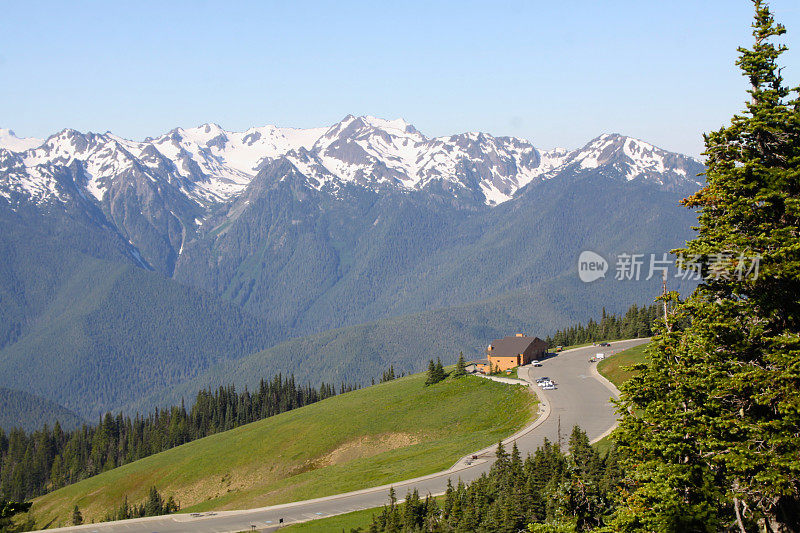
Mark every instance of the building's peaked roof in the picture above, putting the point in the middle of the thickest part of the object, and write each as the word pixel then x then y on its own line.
pixel 512 346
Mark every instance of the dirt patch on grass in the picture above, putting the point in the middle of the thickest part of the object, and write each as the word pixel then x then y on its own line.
pixel 236 480
pixel 366 446
pixel 246 480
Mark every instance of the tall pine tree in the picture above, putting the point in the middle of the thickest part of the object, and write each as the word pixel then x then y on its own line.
pixel 715 440
pixel 461 368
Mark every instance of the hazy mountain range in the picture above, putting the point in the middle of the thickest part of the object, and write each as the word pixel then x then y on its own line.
pixel 133 272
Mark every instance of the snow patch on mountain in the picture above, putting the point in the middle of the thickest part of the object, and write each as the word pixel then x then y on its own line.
pixel 551 160
pixel 101 156
pixel 19 184
pixel 643 158
pixel 220 163
pixel 10 141
pixel 371 150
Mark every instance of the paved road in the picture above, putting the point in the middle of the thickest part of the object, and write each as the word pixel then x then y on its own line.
pixel 582 398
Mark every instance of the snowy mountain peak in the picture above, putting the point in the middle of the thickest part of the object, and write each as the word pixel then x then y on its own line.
pixel 636 160
pixel 397 126
pixel 10 141
pixel 354 127
pixel 203 135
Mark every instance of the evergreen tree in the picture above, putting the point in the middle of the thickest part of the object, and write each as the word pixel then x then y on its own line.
pixel 635 323
pixel 77 517
pixel 461 368
pixel 155 503
pixel 435 372
pixel 9 509
pixel 388 375
pixel 430 376
pixel 714 439
pixel 548 491
pixel 440 373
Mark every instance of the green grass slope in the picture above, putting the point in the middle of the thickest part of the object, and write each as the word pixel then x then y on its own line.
pixel 343 522
pixel 380 434
pixel 613 368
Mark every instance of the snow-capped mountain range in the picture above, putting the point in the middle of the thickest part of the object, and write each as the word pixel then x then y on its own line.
pixel 209 165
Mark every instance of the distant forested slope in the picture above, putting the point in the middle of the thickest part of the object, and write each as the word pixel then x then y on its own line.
pixel 20 409
pixel 86 328
pixel 114 333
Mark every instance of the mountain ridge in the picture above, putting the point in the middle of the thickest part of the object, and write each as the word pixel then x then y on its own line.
pixel 210 165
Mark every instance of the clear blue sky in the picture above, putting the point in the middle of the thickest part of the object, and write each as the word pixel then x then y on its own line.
pixel 557 72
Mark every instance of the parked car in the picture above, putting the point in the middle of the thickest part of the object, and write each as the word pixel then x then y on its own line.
pixel 543 378
pixel 605 344
pixel 549 386
pixel 593 360
pixel 536 362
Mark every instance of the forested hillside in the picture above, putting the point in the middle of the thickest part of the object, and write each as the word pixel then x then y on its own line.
pixel 24 410
pixel 444 280
pixel 91 331
pixel 358 256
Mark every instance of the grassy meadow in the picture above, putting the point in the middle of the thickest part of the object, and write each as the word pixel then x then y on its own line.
pixel 380 434
pixel 613 367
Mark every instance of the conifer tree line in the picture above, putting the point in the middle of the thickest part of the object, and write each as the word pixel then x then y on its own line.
pixel 547 491
pixel 389 375
pixel 154 505
pixel 34 463
pixel 637 322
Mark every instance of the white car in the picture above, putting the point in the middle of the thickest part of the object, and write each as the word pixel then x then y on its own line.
pixel 545 384
pixel 536 362
pixel 549 386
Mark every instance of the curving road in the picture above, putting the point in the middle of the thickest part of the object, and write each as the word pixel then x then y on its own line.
pixel 582 398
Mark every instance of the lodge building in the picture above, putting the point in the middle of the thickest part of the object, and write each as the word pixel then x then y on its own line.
pixel 513 351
